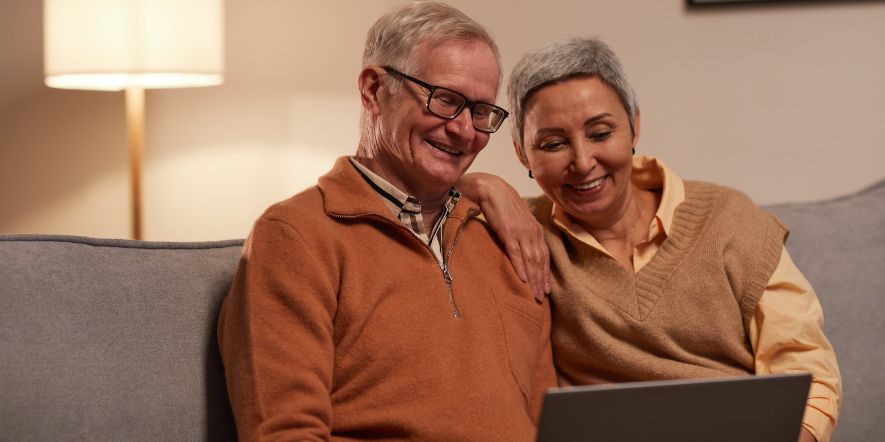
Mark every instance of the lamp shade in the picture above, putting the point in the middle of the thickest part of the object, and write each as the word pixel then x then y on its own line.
pixel 118 44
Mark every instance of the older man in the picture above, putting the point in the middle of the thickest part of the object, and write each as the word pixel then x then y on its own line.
pixel 376 305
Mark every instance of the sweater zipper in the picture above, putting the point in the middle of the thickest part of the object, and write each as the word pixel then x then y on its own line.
pixel 444 266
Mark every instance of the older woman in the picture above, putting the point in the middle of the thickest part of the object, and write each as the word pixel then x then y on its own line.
pixel 653 277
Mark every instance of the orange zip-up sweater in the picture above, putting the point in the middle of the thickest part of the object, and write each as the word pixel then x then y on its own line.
pixel 341 325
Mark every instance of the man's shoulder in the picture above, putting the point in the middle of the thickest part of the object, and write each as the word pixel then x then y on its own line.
pixel 303 205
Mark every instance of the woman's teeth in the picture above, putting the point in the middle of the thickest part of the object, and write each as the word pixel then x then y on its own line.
pixel 591 185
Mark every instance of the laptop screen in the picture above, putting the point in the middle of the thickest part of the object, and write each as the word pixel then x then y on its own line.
pixel 739 409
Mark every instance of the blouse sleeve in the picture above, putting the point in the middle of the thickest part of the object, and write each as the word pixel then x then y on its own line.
pixel 786 333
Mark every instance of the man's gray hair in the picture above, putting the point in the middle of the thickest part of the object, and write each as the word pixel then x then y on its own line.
pixel 392 40
pixel 561 60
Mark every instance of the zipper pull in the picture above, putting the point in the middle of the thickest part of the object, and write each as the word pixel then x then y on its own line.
pixel 447 276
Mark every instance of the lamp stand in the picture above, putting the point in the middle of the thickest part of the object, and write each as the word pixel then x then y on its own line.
pixel 135 137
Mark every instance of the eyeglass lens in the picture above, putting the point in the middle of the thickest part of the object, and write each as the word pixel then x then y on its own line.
pixel 447 103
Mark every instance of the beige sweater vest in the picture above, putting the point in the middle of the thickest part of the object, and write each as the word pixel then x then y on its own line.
pixel 684 315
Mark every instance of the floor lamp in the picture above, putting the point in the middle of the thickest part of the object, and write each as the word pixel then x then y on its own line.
pixel 133 45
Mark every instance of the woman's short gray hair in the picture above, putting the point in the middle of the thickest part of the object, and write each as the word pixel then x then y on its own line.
pixel 392 40
pixel 560 60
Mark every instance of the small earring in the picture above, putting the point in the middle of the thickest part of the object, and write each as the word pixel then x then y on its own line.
pixel 530 174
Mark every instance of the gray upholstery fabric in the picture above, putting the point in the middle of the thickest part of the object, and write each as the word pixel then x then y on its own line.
pixel 112 339
pixel 115 340
pixel 840 247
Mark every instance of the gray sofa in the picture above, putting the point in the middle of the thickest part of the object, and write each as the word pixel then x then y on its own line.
pixel 115 339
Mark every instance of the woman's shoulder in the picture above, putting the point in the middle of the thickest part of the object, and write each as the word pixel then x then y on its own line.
pixel 722 196
pixel 729 204
pixel 541 206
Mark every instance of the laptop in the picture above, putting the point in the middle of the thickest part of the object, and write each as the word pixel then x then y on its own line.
pixel 739 409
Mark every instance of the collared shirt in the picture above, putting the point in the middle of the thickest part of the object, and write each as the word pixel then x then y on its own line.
pixel 407 209
pixel 788 313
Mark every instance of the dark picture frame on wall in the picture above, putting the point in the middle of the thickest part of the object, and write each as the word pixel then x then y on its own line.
pixel 728 2
pixel 736 2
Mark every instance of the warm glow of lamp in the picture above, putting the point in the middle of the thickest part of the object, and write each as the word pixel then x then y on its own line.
pixel 112 45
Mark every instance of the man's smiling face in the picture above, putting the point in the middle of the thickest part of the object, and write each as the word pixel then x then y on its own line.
pixel 427 154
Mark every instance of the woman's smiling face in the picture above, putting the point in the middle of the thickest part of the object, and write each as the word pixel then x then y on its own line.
pixel 578 145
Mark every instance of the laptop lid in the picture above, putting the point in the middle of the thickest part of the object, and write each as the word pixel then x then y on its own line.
pixel 748 408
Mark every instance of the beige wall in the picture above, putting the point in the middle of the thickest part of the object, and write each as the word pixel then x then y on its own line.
pixel 783 102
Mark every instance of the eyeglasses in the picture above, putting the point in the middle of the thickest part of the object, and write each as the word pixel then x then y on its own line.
pixel 446 103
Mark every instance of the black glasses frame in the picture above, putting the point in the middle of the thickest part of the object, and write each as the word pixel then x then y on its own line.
pixel 466 103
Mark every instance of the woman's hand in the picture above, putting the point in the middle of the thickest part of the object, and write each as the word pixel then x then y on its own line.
pixel 516 227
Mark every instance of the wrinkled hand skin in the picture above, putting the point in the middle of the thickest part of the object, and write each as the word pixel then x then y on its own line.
pixel 516 227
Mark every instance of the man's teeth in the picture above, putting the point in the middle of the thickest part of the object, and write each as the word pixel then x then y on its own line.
pixel 591 185
pixel 445 149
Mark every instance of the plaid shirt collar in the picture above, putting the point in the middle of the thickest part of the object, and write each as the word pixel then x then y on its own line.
pixel 406 207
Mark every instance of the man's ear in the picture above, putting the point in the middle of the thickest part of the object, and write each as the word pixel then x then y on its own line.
pixel 370 87
pixel 636 129
pixel 521 155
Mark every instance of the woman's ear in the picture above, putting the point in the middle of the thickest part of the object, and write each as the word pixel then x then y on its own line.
pixel 369 83
pixel 520 153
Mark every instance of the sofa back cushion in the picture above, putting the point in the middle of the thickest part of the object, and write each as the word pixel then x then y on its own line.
pixel 840 247
pixel 112 339
pixel 115 339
